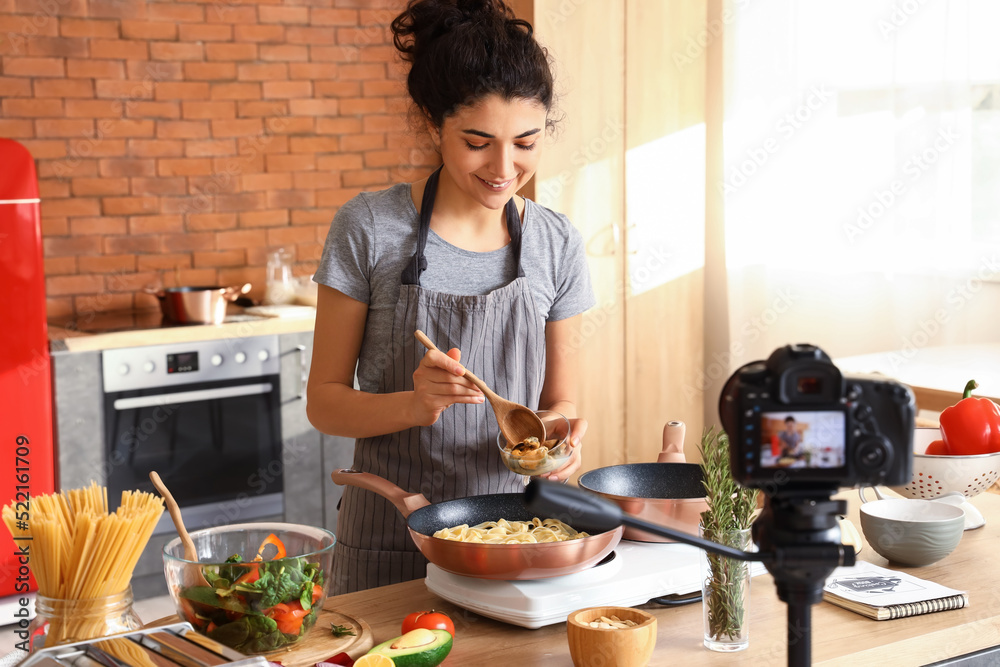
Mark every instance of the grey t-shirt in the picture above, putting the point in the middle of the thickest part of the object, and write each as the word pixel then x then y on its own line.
pixel 374 236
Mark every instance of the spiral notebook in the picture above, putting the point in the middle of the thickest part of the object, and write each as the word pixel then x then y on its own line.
pixel 883 594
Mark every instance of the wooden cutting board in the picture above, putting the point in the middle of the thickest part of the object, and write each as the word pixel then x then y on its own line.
pixel 319 644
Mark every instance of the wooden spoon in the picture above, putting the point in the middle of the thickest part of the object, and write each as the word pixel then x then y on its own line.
pixel 190 553
pixel 517 422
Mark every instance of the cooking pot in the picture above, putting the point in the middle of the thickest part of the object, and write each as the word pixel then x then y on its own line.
pixel 668 492
pixel 485 561
pixel 196 305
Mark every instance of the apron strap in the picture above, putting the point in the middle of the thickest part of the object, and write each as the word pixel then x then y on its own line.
pixel 514 229
pixel 418 264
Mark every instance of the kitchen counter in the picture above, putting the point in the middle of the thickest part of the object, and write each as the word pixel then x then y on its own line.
pixel 840 637
pixel 105 331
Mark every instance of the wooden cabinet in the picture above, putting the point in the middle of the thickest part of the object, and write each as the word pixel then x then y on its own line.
pixel 627 165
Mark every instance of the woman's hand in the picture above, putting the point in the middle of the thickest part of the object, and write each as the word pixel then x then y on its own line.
pixel 438 383
pixel 577 429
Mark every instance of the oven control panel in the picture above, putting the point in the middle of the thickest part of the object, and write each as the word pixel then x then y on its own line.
pixel 131 368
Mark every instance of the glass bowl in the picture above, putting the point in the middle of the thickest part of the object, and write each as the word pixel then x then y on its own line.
pixel 557 448
pixel 251 606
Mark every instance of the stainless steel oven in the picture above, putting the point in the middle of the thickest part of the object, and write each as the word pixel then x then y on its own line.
pixel 206 417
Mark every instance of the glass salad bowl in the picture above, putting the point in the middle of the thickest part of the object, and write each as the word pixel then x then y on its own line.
pixel 539 458
pixel 256 587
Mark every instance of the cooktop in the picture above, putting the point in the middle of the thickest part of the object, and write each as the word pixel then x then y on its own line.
pixel 639 572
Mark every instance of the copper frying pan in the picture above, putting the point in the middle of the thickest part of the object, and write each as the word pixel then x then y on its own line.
pixel 668 492
pixel 485 561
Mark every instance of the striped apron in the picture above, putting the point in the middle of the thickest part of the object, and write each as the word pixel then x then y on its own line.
pixel 502 339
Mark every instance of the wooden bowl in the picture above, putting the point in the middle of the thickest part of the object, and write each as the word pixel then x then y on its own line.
pixel 611 647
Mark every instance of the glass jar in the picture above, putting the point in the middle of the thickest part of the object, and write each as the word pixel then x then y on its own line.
pixel 725 593
pixel 280 285
pixel 64 621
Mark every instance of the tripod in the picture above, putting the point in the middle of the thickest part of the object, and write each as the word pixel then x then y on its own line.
pixel 797 535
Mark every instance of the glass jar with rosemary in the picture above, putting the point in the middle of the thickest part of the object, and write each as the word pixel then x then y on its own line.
pixel 725 582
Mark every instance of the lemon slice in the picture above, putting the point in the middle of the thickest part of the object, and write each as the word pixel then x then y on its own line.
pixel 374 660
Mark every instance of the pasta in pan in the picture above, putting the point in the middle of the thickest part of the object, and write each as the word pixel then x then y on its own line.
pixel 511 532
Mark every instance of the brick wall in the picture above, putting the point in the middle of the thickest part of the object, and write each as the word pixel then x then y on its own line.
pixel 179 142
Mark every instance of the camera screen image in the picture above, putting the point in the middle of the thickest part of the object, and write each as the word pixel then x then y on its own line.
pixel 803 439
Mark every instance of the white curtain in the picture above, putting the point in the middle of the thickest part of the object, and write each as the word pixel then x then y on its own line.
pixel 861 176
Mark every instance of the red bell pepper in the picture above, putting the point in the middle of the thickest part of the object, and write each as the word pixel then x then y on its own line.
pixel 288 616
pixel 252 574
pixel 272 539
pixel 971 426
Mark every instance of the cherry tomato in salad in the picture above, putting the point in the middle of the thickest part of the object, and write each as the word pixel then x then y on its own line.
pixel 429 620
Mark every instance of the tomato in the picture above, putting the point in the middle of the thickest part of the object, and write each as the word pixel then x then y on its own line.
pixel 429 620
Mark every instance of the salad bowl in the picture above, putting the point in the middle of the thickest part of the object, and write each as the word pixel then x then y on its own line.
pixel 256 587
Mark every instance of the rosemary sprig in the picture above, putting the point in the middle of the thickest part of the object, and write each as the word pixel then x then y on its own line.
pixel 730 509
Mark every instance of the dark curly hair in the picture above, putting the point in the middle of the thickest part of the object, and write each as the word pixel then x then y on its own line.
pixel 461 51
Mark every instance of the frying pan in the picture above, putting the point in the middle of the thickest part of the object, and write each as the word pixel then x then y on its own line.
pixel 668 492
pixel 485 561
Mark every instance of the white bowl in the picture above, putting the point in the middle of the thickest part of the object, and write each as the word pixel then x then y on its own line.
pixel 935 475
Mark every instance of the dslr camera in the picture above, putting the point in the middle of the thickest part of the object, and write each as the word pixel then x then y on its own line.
pixel 795 422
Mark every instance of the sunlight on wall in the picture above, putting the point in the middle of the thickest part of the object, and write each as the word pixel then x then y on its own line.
pixel 665 208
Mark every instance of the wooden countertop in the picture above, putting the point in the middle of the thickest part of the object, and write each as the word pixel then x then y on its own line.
pixel 107 331
pixel 840 637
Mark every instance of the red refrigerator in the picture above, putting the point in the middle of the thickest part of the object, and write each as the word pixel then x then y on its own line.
pixel 27 461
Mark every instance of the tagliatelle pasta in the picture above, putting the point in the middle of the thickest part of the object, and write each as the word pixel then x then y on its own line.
pixel 511 532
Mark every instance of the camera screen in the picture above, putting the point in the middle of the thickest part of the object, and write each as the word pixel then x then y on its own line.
pixel 803 439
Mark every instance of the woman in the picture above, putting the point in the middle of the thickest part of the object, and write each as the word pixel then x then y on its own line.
pixel 498 281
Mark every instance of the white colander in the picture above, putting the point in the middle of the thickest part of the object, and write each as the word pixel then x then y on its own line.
pixel 935 476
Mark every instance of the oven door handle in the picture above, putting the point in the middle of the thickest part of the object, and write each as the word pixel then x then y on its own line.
pixel 192 396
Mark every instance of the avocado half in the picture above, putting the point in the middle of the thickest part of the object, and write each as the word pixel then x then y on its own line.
pixel 427 654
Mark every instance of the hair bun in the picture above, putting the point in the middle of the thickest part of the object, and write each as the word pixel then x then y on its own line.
pixel 479 9
pixel 424 21
pixel 462 50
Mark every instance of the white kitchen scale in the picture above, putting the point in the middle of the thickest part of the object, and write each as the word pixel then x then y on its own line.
pixel 639 572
